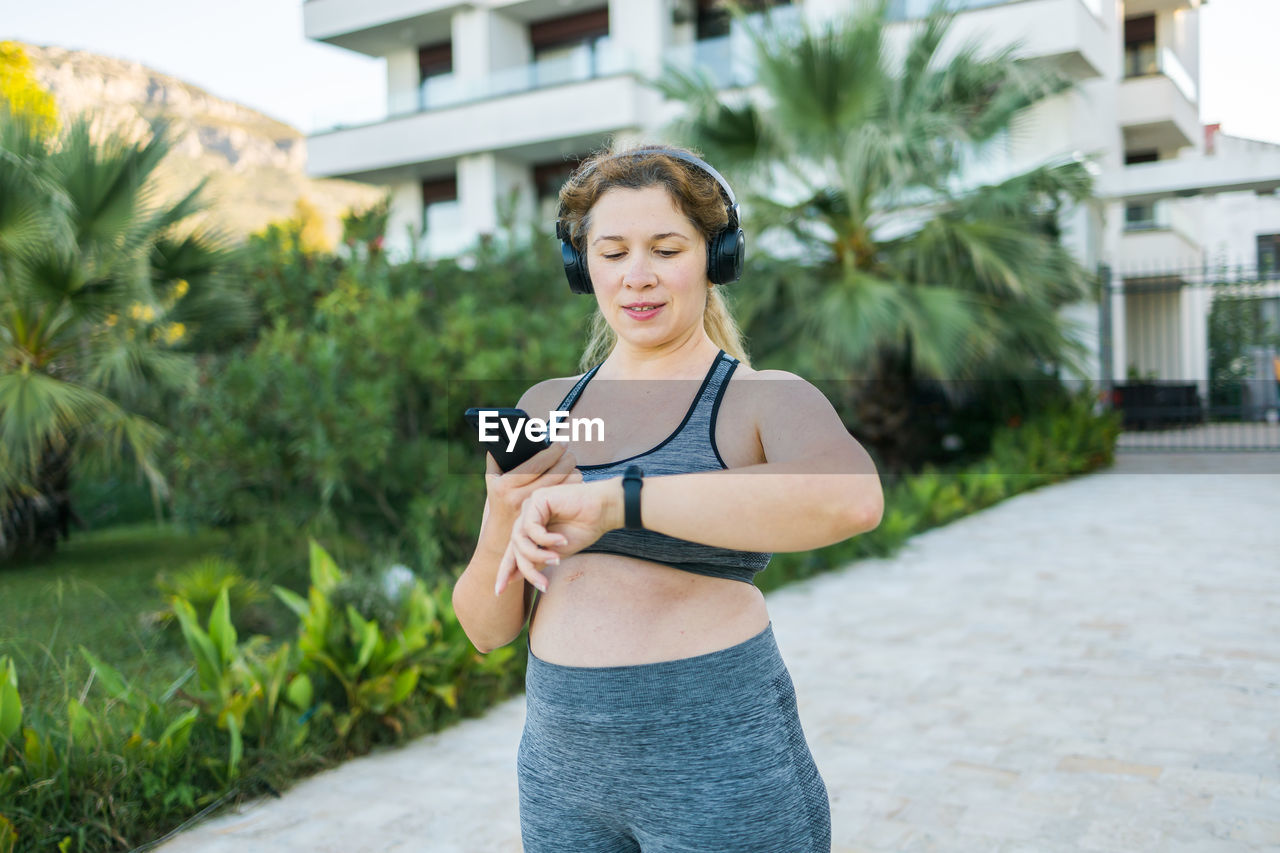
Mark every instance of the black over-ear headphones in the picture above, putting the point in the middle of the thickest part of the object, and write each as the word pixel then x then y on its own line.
pixel 725 250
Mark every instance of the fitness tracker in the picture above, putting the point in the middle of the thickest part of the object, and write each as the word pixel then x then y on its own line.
pixel 632 481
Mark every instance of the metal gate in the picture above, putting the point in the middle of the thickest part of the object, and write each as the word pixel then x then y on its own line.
pixel 1191 356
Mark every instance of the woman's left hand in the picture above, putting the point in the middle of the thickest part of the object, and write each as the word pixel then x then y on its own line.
pixel 556 522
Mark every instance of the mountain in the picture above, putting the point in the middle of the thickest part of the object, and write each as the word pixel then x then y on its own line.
pixel 255 164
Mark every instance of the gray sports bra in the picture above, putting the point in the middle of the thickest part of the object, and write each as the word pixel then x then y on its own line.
pixel 692 447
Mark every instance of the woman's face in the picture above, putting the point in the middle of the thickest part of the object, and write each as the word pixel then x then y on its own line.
pixel 648 265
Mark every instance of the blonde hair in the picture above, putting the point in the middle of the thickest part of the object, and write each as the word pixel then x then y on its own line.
pixel 695 193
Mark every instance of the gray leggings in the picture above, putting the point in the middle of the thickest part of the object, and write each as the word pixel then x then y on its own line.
pixel 703 754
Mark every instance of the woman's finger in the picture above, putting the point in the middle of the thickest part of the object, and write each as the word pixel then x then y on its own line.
pixel 527 569
pixel 506 568
pixel 529 540
pixel 534 515
pixel 530 550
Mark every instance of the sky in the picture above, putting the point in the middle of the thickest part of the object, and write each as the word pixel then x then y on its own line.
pixel 254 52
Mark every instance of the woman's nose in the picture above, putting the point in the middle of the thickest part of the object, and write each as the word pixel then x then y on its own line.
pixel 639 270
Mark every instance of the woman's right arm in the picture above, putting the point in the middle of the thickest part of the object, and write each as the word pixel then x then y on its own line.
pixel 492 621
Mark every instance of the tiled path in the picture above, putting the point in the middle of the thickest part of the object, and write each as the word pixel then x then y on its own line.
pixel 1091 666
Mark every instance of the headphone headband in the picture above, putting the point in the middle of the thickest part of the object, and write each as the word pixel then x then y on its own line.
pixel 562 232
pixel 725 249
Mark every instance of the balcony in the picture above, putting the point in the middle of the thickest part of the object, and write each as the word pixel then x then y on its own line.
pixel 1156 104
pixel 904 10
pixel 1146 7
pixel 582 62
pixel 378 27
pixel 730 60
pixel 504 112
pixel 1158 232
pixel 1067 33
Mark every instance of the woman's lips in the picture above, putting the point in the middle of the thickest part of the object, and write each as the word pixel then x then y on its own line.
pixel 647 314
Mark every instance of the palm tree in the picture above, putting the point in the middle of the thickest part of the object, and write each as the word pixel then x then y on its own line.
pixel 102 303
pixel 892 274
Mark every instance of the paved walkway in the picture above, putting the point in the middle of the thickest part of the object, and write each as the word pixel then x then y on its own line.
pixel 1091 666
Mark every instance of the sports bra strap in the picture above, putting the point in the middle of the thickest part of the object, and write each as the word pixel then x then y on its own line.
pixel 571 399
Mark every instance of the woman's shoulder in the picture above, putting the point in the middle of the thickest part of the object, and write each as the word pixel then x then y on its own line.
pixel 773 390
pixel 544 397
pixel 771 382
pixel 751 374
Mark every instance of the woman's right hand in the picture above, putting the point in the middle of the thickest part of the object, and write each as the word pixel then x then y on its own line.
pixel 507 491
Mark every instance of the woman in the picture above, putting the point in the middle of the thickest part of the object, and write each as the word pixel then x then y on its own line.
pixel 660 716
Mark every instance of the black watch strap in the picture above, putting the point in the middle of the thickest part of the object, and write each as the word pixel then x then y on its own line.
pixel 632 481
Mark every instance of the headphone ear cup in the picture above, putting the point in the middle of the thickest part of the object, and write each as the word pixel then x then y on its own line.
pixel 726 255
pixel 575 268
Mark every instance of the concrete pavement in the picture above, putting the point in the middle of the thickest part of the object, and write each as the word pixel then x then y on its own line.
pixel 1091 666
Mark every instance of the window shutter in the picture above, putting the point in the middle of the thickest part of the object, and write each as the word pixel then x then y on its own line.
pixel 1139 30
pixel 570 29
pixel 435 59
pixel 440 189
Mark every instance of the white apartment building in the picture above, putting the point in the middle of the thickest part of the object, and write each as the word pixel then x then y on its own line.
pixel 491 100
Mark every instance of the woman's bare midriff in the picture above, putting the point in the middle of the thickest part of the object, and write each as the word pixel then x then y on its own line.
pixel 608 610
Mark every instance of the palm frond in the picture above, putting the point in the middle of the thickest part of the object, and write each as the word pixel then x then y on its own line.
pixel 125 369
pixel 117 435
pixel 730 134
pixel 821 81
pixel 38 412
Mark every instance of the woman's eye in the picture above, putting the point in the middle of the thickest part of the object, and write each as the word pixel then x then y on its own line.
pixel 614 256
pixel 668 253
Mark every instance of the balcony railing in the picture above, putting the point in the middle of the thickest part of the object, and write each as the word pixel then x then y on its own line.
pixel 1141 62
pixel 1153 216
pixel 731 60
pixel 445 236
pixel 1160 215
pixel 728 60
pixel 601 59
pixel 905 10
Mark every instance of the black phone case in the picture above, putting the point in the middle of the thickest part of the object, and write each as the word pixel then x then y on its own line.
pixel 524 449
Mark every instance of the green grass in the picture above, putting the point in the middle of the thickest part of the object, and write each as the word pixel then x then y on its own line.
pixel 96 591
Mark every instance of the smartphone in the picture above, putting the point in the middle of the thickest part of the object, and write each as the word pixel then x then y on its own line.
pixel 502 424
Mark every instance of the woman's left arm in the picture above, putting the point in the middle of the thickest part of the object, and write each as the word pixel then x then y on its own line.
pixel 818 486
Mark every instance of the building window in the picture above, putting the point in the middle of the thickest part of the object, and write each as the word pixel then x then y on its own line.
pixel 714 17
pixel 569 48
pixel 548 178
pixel 1140 217
pixel 442 216
pixel 1149 156
pixel 1140 46
pixel 1269 255
pixel 581 28
pixel 436 84
pixel 435 59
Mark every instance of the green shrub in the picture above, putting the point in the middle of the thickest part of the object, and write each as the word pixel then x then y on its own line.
pixel 112 773
pixel 8 836
pixel 336 420
pixel 100 778
pixel 368 666
pixel 1066 438
pixel 200 584
pixel 240 687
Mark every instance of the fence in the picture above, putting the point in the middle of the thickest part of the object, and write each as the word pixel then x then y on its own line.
pixel 1191 356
